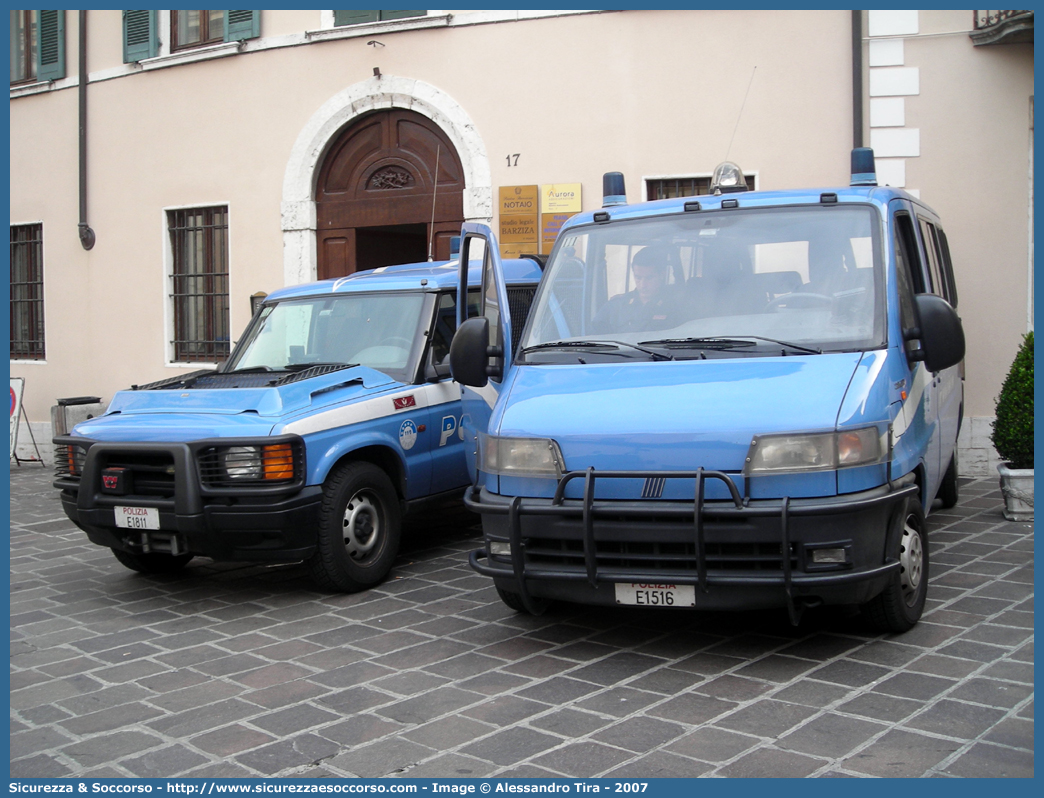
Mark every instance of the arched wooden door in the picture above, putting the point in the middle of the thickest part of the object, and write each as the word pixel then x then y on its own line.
pixel 374 195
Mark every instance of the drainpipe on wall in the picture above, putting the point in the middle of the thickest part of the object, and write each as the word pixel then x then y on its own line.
pixel 857 78
pixel 87 237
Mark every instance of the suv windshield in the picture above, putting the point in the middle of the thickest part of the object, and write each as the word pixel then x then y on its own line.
pixel 734 283
pixel 375 330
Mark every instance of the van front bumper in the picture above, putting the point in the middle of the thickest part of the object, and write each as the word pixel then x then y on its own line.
pixel 731 551
pixel 228 523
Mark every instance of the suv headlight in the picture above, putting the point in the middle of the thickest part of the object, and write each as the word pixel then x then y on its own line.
pixel 242 462
pixel 522 457
pixel 819 451
pixel 222 466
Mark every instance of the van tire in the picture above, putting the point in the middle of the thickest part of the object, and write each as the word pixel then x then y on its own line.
pixel 948 489
pixel 514 601
pixel 153 562
pixel 359 529
pixel 899 606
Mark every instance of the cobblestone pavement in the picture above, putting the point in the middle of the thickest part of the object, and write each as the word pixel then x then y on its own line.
pixel 247 671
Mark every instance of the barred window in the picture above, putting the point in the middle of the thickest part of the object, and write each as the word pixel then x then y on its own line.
pixel 199 283
pixel 27 308
pixel 670 187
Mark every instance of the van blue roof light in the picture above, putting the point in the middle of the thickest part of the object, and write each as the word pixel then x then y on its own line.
pixel 727 179
pixel 613 192
pixel 864 173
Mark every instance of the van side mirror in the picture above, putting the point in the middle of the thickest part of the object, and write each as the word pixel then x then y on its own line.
pixel 940 332
pixel 435 370
pixel 469 353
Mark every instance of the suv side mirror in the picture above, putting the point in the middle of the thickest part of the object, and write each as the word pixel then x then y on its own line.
pixel 940 332
pixel 469 353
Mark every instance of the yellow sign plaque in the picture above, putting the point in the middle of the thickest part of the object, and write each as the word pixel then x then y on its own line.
pixel 560 198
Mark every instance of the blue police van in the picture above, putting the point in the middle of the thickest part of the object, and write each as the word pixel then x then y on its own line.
pixel 334 416
pixel 742 400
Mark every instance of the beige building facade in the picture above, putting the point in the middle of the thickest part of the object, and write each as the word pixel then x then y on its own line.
pixel 266 123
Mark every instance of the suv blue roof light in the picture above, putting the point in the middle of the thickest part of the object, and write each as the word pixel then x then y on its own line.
pixel 727 179
pixel 864 173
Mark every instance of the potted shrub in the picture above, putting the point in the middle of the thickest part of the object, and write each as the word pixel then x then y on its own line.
pixel 1013 435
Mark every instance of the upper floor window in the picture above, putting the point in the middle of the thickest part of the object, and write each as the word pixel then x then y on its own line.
pixel 199 283
pixel 23 46
pixel 37 46
pixel 188 29
pixel 196 28
pixel 27 311
pixel 355 17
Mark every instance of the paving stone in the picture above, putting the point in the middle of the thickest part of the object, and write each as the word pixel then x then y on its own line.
pixel 164 762
pixel 660 765
pixel 772 763
pixel 582 759
pixel 451 766
pixel 640 734
pixel 1013 732
pixel 992 762
pixel 294 752
pixel 993 692
pixel 510 746
pixel 504 710
pixel 569 722
pixel 766 717
pixel 423 708
pixel 618 701
pixel 231 740
pixel 830 736
pixel 900 754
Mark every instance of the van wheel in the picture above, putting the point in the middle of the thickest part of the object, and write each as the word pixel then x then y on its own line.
pixel 359 529
pixel 514 601
pixel 948 489
pixel 153 562
pixel 900 605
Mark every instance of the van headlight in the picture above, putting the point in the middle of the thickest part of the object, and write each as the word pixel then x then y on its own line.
pixel 521 457
pixel 818 451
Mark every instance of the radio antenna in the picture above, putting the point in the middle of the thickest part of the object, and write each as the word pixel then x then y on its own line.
pixel 434 193
pixel 740 116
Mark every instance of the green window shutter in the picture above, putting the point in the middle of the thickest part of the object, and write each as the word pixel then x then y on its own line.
pixel 401 14
pixel 354 17
pixel 241 25
pixel 51 56
pixel 140 35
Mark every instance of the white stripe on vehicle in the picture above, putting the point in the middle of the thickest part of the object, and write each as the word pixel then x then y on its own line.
pixel 376 407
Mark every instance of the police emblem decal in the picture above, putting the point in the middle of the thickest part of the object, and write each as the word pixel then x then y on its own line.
pixel 407 434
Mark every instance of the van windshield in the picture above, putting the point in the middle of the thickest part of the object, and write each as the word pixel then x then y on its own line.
pixel 731 283
pixel 375 330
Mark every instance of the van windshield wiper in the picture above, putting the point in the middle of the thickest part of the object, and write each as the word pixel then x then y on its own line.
pixel 727 343
pixel 604 344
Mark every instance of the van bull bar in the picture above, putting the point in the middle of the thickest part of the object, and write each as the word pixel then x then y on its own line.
pixel 861 524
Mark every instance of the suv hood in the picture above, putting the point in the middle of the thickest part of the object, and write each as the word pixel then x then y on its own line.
pixel 182 414
pixel 674 416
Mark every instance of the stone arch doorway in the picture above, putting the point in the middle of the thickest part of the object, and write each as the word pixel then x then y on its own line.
pixel 377 200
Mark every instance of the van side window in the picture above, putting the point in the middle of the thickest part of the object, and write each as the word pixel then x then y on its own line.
pixel 947 266
pixel 907 316
pixel 906 246
pixel 932 258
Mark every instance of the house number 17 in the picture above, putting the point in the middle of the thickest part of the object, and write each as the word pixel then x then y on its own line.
pixel 512 160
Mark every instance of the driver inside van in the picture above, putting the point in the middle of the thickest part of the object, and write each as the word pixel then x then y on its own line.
pixel 649 306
